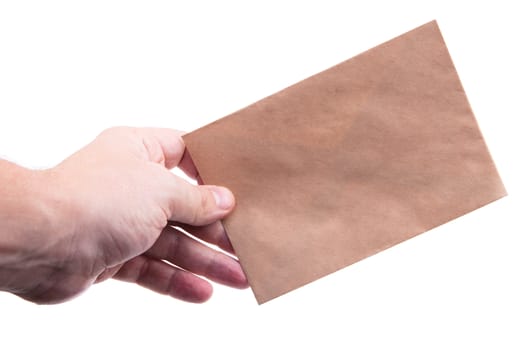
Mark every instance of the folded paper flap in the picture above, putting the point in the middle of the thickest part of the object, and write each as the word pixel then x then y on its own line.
pixel 347 163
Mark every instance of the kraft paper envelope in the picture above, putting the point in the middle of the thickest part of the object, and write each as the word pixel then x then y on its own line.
pixel 348 162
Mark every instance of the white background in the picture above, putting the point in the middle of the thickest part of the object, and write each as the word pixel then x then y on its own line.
pixel 69 69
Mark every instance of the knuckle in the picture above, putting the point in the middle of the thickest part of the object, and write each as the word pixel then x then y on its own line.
pixel 153 150
pixel 202 208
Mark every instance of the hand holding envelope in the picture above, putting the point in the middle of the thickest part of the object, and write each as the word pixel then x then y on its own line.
pixel 348 162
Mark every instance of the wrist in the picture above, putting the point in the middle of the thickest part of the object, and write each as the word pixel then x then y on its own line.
pixel 32 222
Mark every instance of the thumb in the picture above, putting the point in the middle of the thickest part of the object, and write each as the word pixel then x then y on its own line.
pixel 199 205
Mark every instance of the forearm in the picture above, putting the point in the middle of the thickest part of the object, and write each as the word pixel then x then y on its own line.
pixel 28 216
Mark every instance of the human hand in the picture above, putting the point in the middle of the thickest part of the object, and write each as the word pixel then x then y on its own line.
pixel 107 208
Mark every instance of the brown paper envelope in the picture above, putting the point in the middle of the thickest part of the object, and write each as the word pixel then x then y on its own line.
pixel 348 162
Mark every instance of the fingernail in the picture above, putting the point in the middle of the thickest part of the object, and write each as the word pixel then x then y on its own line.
pixel 223 197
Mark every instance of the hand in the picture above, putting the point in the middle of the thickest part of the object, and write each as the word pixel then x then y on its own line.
pixel 106 210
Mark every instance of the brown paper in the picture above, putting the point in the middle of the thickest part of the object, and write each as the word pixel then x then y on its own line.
pixel 348 162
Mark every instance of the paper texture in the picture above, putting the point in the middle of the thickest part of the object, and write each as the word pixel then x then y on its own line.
pixel 348 162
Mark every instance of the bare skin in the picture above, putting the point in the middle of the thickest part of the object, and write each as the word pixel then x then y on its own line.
pixel 104 213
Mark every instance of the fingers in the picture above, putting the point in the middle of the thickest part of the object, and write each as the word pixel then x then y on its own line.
pixel 185 252
pixel 151 272
pixel 198 205
pixel 195 205
pixel 165 279
pixel 213 233
pixel 164 146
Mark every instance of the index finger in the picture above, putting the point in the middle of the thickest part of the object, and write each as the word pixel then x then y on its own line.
pixel 163 145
